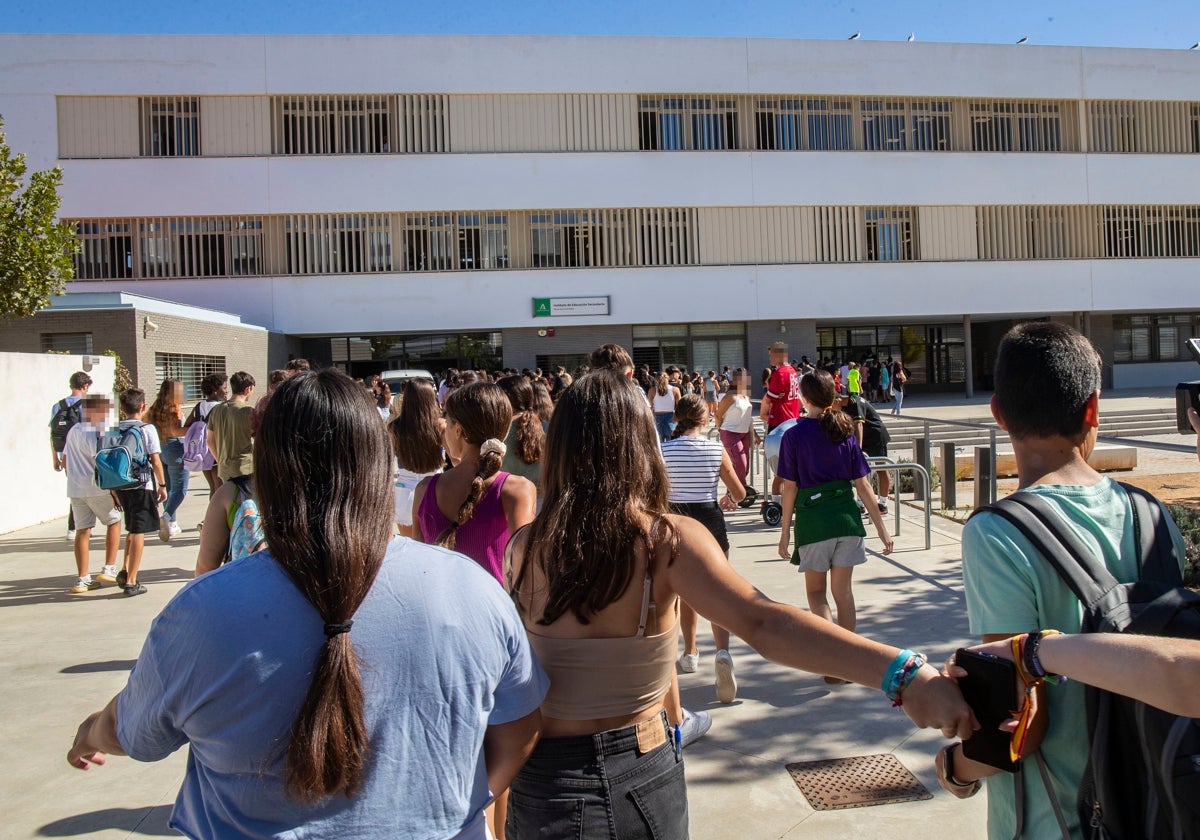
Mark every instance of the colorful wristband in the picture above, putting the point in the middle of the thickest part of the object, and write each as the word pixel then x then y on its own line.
pixel 900 673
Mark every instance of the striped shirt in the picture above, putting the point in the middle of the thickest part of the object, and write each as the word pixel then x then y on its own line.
pixel 693 468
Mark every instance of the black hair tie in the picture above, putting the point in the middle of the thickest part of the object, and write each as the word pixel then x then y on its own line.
pixel 332 630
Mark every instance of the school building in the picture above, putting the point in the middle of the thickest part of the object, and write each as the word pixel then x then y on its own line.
pixel 520 200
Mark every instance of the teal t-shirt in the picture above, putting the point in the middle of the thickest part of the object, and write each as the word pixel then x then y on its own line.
pixel 1011 589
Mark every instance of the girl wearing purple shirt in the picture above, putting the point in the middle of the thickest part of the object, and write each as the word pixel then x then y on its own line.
pixel 821 465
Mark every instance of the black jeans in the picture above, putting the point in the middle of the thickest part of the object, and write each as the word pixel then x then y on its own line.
pixel 598 787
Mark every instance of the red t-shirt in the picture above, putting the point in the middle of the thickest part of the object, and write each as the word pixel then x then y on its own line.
pixel 784 390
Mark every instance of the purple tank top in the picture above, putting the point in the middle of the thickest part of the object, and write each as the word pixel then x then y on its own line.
pixel 482 537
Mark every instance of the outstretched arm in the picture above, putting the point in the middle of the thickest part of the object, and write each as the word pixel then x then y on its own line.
pixel 96 738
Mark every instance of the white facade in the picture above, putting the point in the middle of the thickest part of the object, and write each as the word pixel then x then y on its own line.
pixel 36 70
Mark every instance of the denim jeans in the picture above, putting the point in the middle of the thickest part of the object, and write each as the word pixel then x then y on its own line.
pixel 598 787
pixel 899 402
pixel 664 421
pixel 176 475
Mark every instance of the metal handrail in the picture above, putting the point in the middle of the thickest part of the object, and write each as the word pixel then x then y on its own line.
pixel 990 428
pixel 879 465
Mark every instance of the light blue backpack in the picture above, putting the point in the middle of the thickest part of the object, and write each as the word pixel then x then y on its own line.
pixel 122 462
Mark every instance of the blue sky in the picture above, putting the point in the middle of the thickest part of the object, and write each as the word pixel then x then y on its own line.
pixel 1149 23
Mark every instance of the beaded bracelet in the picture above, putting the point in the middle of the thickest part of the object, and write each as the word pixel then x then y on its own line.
pixel 900 673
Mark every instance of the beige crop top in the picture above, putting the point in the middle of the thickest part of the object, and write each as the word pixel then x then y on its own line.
pixel 613 677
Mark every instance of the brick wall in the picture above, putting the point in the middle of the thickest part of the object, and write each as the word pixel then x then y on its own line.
pixel 243 348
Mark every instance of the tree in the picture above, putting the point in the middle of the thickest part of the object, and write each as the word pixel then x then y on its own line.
pixel 35 250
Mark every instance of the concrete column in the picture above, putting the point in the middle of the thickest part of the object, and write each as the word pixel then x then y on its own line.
pixel 1087 325
pixel 967 350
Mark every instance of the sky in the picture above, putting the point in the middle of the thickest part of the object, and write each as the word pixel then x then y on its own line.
pixel 1169 24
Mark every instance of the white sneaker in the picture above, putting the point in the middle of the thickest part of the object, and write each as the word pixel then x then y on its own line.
pixel 688 662
pixel 164 528
pixel 694 725
pixel 108 574
pixel 726 681
pixel 85 584
pixel 175 529
pixel 70 536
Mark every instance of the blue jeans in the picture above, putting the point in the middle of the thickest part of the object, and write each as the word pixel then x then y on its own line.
pixel 899 401
pixel 176 475
pixel 664 421
pixel 600 787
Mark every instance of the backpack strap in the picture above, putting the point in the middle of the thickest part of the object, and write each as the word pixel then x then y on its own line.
pixel 1038 520
pixel 1157 559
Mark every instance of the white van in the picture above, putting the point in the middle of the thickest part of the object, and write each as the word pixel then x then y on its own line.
pixel 396 379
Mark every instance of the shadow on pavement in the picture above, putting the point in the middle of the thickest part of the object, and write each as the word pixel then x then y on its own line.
pixel 56 589
pixel 100 667
pixel 148 821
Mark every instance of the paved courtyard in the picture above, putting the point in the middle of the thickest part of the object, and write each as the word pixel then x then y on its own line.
pixel 63 656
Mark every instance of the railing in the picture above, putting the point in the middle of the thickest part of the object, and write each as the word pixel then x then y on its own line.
pixel 878 464
pixel 924 456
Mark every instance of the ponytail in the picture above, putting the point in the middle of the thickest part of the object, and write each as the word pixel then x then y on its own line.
pixel 531 437
pixel 836 424
pixel 690 413
pixel 491 455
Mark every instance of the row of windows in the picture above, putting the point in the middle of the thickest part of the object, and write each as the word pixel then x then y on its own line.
pixel 299 244
pixel 361 124
pixel 1153 338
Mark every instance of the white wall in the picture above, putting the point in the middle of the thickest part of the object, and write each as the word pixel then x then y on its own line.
pixel 1154 374
pixel 32 491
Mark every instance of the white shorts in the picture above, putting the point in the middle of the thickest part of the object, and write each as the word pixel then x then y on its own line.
pixel 843 552
pixel 88 509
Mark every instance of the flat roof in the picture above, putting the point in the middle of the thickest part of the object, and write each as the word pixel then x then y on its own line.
pixel 105 301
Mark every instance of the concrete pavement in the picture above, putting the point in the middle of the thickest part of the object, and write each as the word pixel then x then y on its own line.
pixel 64 655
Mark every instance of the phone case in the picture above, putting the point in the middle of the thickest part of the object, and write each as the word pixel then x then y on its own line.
pixel 990 690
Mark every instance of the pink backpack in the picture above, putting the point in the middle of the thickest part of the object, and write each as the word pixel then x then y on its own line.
pixel 196 457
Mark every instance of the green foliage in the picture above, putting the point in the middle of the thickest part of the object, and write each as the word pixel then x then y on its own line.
pixel 122 379
pixel 912 346
pixel 908 478
pixel 471 352
pixel 1188 520
pixel 35 250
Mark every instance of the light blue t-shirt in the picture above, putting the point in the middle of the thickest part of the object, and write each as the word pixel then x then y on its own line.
pixel 1011 589
pixel 228 661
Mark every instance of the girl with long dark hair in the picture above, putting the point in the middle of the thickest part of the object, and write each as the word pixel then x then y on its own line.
pixel 416 434
pixel 597 579
pixel 822 466
pixel 283 671
pixel 527 433
pixel 166 413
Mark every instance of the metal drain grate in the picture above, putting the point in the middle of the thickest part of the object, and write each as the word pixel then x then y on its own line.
pixel 836 783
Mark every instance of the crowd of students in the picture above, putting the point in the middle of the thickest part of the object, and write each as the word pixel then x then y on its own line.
pixel 510 670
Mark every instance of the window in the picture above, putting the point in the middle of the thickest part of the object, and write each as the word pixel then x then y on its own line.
pixel 673 123
pixel 563 239
pixel 323 125
pixel 187 368
pixel 482 241
pixel 430 243
pixel 353 244
pixel 105 250
pixel 201 247
pixel 829 124
pixel 1122 231
pixel 931 125
pixel 889 233
pixel 1196 128
pixel 1039 126
pixel 1114 126
pixel 1149 338
pixel 882 124
pixel 170 126
pixel 992 126
pixel 77 344
pixel 779 124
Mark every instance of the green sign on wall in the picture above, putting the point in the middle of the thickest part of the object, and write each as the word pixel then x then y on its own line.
pixel 570 306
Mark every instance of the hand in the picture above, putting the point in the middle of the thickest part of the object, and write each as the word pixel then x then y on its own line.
pixel 162 494
pixel 58 463
pixel 784 539
pixel 932 701
pixel 1002 650
pixel 727 503
pixel 82 756
pixel 886 538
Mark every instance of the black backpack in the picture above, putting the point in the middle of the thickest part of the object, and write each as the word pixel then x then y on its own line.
pixel 65 416
pixel 1142 778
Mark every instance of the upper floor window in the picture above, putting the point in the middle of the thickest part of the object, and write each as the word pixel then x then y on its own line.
pixel 170 126
pixel 676 122
pixel 931 125
pixel 883 124
pixel 889 233
pixel 324 125
pixel 829 124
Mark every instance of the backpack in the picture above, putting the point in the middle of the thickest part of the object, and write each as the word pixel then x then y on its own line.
pixel 122 462
pixel 196 457
pixel 1142 777
pixel 245 524
pixel 65 416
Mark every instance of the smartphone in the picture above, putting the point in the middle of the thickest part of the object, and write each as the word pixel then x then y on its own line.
pixel 1187 395
pixel 990 689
